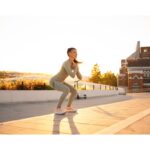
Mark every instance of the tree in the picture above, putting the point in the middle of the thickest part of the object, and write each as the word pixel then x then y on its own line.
pixel 109 78
pixel 95 74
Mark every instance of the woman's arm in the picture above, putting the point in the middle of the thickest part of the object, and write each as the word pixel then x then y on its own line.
pixel 78 74
pixel 69 70
pixel 75 66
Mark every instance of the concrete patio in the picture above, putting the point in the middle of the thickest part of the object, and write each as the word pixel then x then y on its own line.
pixel 122 114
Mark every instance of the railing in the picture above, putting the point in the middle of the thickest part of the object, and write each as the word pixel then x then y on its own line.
pixel 79 85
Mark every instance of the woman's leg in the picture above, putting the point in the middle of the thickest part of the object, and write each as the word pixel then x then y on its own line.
pixel 61 87
pixel 72 95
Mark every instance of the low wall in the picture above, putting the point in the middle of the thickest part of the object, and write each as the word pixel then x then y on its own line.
pixel 7 96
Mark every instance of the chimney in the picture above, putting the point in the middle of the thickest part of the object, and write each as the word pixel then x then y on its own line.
pixel 138 48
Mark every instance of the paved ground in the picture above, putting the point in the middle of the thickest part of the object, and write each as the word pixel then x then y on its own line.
pixel 107 115
pixel 141 126
pixel 15 111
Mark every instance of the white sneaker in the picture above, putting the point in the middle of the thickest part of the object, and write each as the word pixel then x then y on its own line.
pixel 71 110
pixel 60 112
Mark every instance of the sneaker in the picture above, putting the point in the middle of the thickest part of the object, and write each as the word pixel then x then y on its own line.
pixel 71 110
pixel 60 112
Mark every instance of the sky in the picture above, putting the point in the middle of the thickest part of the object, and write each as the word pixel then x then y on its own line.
pixel 39 43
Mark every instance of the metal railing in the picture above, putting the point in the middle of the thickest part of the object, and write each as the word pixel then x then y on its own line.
pixel 79 85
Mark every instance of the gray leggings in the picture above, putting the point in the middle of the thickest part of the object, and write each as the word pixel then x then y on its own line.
pixel 66 89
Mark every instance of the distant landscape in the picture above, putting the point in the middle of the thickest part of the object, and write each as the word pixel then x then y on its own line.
pixel 15 75
pixel 11 80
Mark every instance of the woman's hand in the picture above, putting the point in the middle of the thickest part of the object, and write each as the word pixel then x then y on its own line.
pixel 73 65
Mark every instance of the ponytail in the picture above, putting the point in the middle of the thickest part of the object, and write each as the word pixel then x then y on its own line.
pixel 77 62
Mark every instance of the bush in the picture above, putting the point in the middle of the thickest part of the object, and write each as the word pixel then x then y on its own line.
pixel 24 85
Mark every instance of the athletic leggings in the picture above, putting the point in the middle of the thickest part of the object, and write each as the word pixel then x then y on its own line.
pixel 66 89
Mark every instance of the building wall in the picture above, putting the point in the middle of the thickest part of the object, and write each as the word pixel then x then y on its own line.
pixel 123 76
pixel 135 82
pixel 145 52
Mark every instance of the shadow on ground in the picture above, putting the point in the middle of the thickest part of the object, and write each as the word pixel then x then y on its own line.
pixel 57 123
pixel 15 111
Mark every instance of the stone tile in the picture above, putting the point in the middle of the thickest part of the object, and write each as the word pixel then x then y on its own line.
pixel 139 127
pixel 8 129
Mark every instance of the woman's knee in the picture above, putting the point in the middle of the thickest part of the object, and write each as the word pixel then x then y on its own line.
pixel 74 91
pixel 66 90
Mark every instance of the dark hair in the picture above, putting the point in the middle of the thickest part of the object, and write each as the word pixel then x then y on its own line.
pixel 69 50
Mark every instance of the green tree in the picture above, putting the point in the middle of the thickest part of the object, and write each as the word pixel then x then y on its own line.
pixel 95 74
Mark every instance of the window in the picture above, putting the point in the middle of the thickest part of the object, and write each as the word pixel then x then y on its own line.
pixel 146 73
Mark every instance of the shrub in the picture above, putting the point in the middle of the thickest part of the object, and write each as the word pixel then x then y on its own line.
pixel 24 85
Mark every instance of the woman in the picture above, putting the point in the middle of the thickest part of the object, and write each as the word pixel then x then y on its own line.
pixel 69 68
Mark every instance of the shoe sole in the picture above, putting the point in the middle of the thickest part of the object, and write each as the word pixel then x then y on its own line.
pixel 71 111
pixel 60 113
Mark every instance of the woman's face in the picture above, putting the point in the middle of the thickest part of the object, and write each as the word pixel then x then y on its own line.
pixel 73 53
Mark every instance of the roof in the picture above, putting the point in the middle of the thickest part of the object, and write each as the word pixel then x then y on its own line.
pixel 134 55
